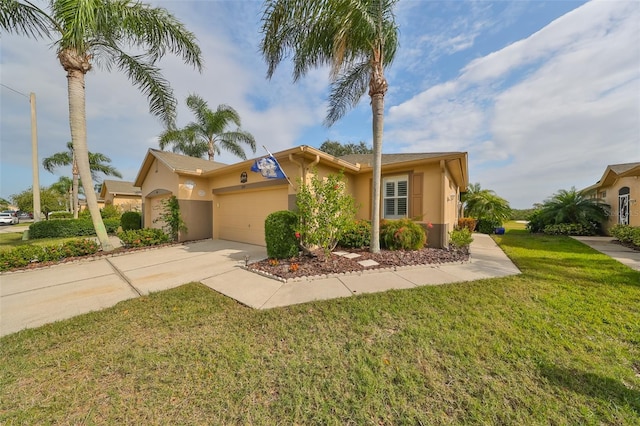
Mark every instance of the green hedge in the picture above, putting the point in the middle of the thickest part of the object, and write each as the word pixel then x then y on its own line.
pixel 280 234
pixel 357 235
pixel 69 228
pixel 130 220
pixel 60 215
pixel 24 255
pixel 569 229
pixel 402 234
pixel 626 234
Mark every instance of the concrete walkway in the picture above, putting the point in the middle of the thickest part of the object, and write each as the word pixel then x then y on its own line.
pixel 32 298
pixel 609 246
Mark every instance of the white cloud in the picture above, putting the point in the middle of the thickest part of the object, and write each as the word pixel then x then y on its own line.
pixel 546 112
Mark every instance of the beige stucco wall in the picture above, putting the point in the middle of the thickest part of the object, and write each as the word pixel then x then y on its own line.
pixel 611 198
pixel 436 187
pixel 124 202
pixel 160 177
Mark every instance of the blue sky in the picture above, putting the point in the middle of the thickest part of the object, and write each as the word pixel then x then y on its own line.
pixel 542 95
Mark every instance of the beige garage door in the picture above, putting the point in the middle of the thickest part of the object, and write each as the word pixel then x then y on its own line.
pixel 240 216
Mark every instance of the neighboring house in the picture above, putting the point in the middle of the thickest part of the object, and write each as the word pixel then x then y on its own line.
pixel 231 202
pixel 619 187
pixel 122 194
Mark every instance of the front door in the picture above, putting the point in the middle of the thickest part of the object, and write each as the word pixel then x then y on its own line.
pixel 623 206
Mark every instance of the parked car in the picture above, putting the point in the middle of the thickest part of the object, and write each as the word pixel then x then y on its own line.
pixel 8 219
pixel 25 215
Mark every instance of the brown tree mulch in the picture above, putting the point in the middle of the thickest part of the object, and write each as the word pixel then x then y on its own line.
pixel 318 264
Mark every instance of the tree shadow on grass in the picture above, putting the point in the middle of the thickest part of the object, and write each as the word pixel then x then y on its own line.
pixel 592 385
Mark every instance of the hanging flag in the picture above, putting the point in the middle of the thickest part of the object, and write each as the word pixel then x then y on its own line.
pixel 268 167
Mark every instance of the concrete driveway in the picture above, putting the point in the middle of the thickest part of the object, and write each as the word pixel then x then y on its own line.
pixel 32 298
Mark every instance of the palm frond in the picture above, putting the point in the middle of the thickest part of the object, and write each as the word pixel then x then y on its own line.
pixel 153 29
pixel 148 79
pixel 56 160
pixel 347 91
pixel 24 19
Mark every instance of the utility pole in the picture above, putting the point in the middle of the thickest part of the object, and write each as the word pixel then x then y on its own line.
pixel 34 159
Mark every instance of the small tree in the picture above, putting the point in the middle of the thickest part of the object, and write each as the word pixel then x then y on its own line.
pixel 50 200
pixel 325 211
pixel 170 216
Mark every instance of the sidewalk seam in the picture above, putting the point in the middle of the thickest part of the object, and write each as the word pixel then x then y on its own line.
pixel 124 277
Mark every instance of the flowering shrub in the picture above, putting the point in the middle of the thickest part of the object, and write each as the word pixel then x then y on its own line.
pixel 24 255
pixel 325 211
pixel 402 234
pixel 143 237
pixel 467 222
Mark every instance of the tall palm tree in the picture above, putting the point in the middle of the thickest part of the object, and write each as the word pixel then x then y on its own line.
pixel 99 31
pixel 357 39
pixel 207 134
pixel 98 163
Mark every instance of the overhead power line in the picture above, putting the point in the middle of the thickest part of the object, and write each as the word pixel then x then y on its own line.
pixel 14 90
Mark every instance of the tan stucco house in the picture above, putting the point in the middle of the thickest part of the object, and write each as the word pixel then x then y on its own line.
pixel 231 202
pixel 122 194
pixel 619 187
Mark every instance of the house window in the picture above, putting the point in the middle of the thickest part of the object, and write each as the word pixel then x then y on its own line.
pixel 395 198
pixel 603 194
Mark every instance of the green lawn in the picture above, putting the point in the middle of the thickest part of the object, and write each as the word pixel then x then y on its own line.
pixel 559 344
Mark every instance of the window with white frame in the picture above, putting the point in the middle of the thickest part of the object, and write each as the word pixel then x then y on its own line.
pixel 395 197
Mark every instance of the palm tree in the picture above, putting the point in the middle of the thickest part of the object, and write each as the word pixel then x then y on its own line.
pixel 357 39
pixel 98 31
pixel 97 164
pixel 64 187
pixel 486 207
pixel 575 207
pixel 207 134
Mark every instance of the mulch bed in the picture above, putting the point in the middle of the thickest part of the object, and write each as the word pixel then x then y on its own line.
pixel 318 264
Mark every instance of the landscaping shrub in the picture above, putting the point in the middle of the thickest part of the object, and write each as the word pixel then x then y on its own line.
pixel 110 212
pixel 570 229
pixel 460 238
pixel 171 219
pixel 60 215
pixel 130 220
pixel 24 255
pixel 402 234
pixel 536 221
pixel 143 237
pixel 626 234
pixel 69 228
pixel 356 235
pixel 488 226
pixel 280 234
pixel 325 210
pixel 467 222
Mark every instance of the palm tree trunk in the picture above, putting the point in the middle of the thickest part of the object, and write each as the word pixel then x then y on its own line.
pixel 377 88
pixel 76 178
pixel 377 107
pixel 76 68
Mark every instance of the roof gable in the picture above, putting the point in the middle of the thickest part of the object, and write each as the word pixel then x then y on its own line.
pixel 118 187
pixel 177 163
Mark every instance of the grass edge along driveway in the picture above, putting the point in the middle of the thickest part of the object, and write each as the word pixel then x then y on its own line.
pixel 559 344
